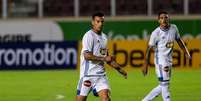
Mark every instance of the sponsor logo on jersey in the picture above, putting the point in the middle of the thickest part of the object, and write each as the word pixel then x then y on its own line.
pixel 87 83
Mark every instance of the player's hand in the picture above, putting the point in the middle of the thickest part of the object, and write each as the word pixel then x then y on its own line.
pixel 108 59
pixel 189 56
pixel 145 69
pixel 116 66
pixel 122 72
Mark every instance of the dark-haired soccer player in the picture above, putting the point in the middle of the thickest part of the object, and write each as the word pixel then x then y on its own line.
pixel 162 40
pixel 94 54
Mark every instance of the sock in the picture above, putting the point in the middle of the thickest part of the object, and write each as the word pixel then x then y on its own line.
pixel 165 91
pixel 155 92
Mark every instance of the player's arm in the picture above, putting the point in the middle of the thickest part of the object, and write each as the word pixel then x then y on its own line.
pixel 146 60
pixel 181 44
pixel 151 43
pixel 89 56
pixel 116 66
pixel 183 47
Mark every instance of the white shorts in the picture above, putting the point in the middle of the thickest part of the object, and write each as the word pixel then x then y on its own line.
pixel 94 83
pixel 163 72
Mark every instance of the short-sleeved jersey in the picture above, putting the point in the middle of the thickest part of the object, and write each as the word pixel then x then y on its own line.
pixel 163 42
pixel 97 44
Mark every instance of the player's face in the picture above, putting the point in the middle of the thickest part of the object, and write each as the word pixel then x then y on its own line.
pixel 163 20
pixel 97 23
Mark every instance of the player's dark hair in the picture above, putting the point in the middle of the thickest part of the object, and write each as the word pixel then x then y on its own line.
pixel 99 14
pixel 162 12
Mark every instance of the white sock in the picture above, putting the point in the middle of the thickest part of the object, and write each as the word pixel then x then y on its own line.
pixel 165 91
pixel 155 92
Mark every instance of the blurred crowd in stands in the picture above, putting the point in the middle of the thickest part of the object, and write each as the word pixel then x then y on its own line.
pixel 86 7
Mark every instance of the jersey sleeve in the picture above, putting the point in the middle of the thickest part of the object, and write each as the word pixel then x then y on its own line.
pixel 106 39
pixel 152 40
pixel 177 35
pixel 87 42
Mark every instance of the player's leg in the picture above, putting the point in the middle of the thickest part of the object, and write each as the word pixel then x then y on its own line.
pixel 157 90
pixel 154 93
pixel 165 91
pixel 103 89
pixel 83 89
pixel 166 70
pixel 81 98
pixel 104 95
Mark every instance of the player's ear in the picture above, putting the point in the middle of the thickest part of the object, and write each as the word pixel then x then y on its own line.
pixel 92 22
pixel 158 20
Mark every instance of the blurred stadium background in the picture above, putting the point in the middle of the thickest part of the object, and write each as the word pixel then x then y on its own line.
pixel 40 44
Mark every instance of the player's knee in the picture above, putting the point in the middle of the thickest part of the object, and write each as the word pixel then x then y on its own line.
pixel 105 98
pixel 104 95
pixel 81 98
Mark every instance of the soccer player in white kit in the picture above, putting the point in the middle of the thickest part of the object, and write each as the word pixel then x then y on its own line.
pixel 93 55
pixel 162 41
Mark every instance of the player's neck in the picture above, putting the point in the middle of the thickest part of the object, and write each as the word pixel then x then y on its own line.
pixel 97 32
pixel 165 27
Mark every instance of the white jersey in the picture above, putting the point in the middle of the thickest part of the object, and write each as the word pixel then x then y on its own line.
pixel 163 41
pixel 96 44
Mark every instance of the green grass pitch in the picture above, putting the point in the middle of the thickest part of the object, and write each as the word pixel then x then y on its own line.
pixel 60 85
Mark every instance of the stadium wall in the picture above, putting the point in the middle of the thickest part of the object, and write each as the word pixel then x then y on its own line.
pixel 131 32
pixel 130 29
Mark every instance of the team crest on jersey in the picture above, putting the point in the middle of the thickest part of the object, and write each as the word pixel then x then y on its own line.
pixel 170 44
pixel 103 51
pixel 87 83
